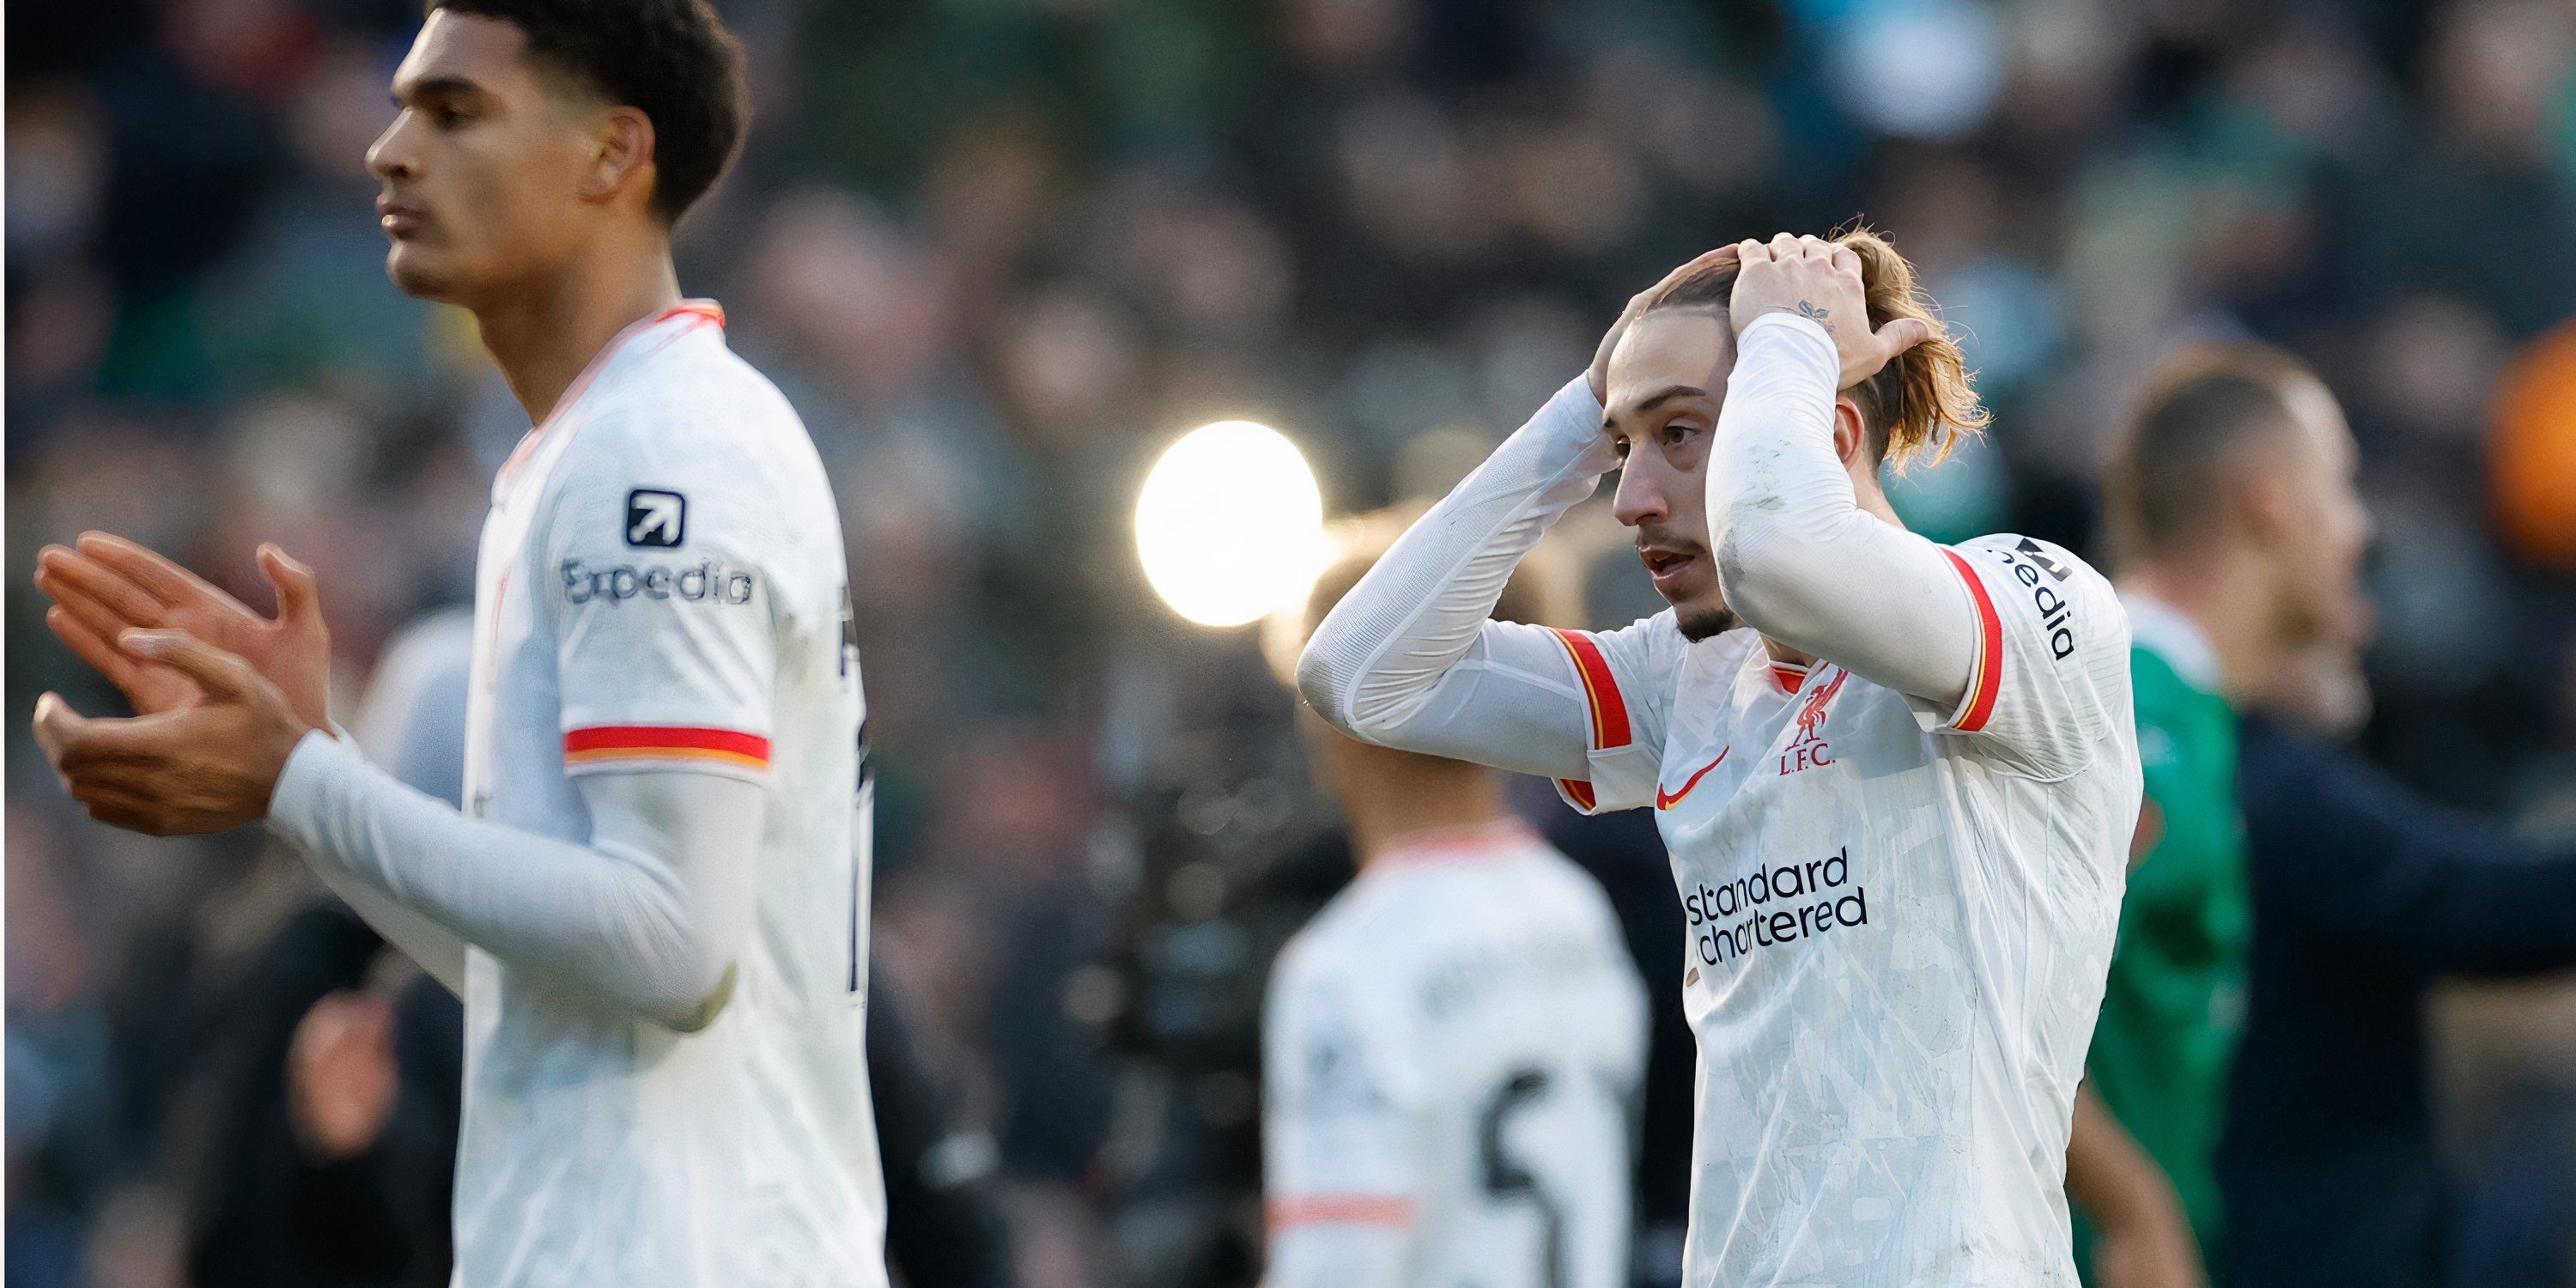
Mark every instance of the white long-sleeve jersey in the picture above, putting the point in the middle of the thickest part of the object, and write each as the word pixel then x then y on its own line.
pixel 1900 867
pixel 655 900
pixel 1451 1055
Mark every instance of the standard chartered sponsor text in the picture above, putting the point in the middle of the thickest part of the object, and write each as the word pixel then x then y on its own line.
pixel 1772 905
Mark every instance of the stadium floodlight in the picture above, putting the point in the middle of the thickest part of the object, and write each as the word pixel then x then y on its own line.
pixel 1230 525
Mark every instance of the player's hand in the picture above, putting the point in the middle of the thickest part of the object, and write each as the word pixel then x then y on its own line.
pixel 1643 300
pixel 341 1078
pixel 208 765
pixel 2154 1250
pixel 109 585
pixel 1817 279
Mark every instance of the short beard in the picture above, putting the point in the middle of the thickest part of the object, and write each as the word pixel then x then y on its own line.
pixel 1704 623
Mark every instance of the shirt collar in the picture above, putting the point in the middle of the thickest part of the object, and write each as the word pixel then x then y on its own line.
pixel 2171 634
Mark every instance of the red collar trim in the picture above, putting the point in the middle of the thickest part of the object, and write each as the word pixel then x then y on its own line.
pixel 700 312
pixel 1456 844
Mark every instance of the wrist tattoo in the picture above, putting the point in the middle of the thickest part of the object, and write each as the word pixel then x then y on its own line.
pixel 1806 310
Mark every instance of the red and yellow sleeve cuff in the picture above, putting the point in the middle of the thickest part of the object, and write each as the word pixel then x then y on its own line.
pixel 670 744
pixel 1600 690
pixel 1985 680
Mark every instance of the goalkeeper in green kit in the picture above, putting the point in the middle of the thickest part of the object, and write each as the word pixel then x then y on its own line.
pixel 2239 533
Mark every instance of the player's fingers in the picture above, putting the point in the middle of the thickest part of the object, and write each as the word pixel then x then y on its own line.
pixel 87 644
pixel 224 676
pixel 1697 263
pixel 155 572
pixel 90 612
pixel 1844 259
pixel 1784 246
pixel 1751 251
pixel 299 599
pixel 1903 334
pixel 68 576
pixel 1816 248
pixel 59 729
pixel 1702 262
pixel 54 725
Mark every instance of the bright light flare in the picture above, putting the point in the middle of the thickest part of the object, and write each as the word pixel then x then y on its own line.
pixel 1230 526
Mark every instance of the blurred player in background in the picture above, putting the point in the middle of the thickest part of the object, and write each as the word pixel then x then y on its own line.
pixel 2233 509
pixel 2265 1038
pixel 1452 1048
pixel 655 900
pixel 1899 807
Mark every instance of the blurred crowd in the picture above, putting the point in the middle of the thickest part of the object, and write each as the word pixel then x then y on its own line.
pixel 999 252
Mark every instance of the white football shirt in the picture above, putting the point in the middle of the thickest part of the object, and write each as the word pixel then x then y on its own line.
pixel 662 586
pixel 1899 919
pixel 1451 1056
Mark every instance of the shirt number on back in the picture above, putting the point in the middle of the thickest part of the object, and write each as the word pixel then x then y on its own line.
pixel 1508 1179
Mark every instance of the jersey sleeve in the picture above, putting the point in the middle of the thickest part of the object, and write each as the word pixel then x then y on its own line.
pixel 2052 650
pixel 1337 1109
pixel 1626 678
pixel 655 559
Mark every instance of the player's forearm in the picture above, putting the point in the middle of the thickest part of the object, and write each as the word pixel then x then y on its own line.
pixel 2109 1177
pixel 1801 561
pixel 1376 659
pixel 435 947
pixel 608 918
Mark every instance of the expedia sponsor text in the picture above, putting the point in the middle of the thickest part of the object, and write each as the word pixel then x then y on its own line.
pixel 708 581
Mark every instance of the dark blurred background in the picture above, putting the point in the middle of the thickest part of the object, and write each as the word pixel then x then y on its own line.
pixel 999 252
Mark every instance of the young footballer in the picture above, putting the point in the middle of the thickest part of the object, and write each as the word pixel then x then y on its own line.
pixel 655 899
pixel 1899 803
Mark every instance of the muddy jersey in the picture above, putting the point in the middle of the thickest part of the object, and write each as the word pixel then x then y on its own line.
pixel 1900 919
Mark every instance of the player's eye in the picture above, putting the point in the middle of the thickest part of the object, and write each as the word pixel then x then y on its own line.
pixel 1619 446
pixel 1677 432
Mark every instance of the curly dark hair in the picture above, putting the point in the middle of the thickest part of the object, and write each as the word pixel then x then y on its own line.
pixel 673 60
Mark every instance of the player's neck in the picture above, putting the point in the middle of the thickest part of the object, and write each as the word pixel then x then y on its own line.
pixel 1390 796
pixel 543 336
pixel 2227 597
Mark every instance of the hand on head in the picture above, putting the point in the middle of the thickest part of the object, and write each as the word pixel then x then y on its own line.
pixel 1817 279
pixel 1637 306
pixel 209 679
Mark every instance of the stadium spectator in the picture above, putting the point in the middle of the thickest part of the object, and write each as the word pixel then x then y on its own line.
pixel 2364 894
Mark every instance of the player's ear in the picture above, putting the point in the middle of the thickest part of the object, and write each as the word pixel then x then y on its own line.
pixel 2263 504
pixel 1851 434
pixel 622 155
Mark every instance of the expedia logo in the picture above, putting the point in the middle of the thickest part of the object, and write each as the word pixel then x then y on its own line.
pixel 709 581
pixel 2056 612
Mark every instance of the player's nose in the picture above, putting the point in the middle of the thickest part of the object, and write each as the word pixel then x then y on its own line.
pixel 1640 498
pixel 390 156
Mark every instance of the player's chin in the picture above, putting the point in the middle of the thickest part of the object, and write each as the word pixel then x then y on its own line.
pixel 1691 587
pixel 417 273
pixel 1699 606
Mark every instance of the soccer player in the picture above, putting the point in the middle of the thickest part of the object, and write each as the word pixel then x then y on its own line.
pixel 2231 500
pixel 654 902
pixel 1452 1048
pixel 1899 806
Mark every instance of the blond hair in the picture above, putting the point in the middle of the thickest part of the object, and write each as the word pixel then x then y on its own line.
pixel 1909 401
